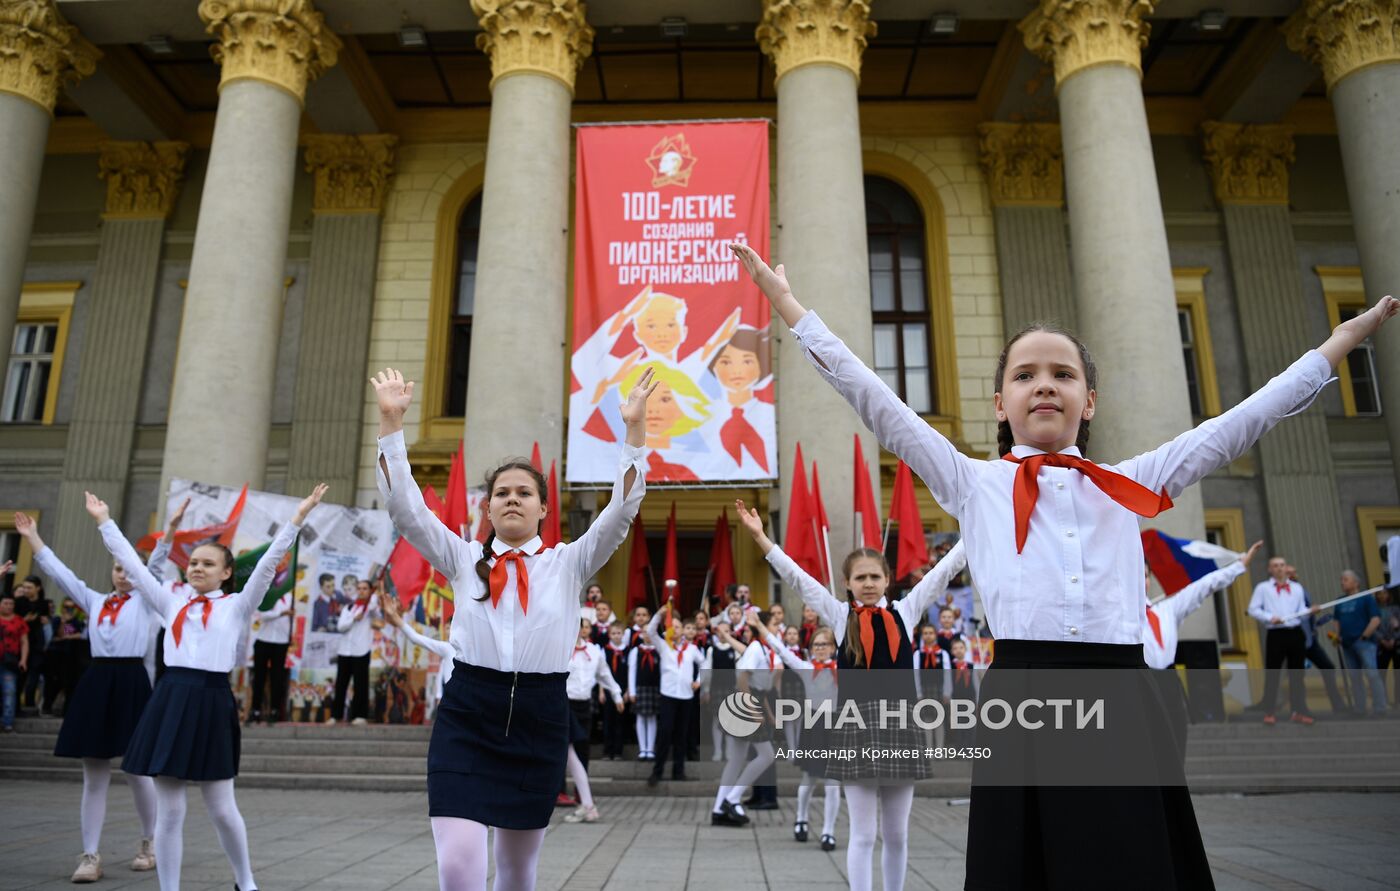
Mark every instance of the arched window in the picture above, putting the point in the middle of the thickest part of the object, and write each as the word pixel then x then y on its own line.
pixel 459 344
pixel 898 292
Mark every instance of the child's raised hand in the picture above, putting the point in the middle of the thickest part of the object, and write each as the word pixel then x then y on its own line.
pixel 309 502
pixel 772 282
pixel 7 567
pixel 1369 322
pixel 1249 554
pixel 24 524
pixel 750 518
pixel 97 508
pixel 634 410
pixel 392 392
pixel 390 607
pixel 176 518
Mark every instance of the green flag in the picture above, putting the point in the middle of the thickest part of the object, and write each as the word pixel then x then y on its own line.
pixel 284 580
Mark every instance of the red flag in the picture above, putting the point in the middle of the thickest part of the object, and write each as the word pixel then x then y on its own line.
pixel 535 458
pixel 800 542
pixel 186 540
pixel 456 513
pixel 722 573
pixel 552 534
pixel 822 533
pixel 904 510
pixel 867 513
pixel 638 568
pixel 409 571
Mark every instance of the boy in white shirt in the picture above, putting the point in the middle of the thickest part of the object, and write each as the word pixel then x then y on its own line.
pixel 679 681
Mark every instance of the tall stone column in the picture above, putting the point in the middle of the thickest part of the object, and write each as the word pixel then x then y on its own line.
pixel 39 52
pixel 221 404
pixel 816 48
pixel 1025 171
pixel 1122 271
pixel 1357 46
pixel 1249 165
pixel 352 178
pixel 536 48
pixel 143 180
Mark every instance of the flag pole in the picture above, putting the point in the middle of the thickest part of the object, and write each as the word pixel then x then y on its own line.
pixel 1332 603
pixel 830 570
pixel 705 591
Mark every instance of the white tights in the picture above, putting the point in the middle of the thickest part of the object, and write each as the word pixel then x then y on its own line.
pixel 646 735
pixel 893 804
pixel 97 776
pixel 170 830
pixel 739 773
pixel 832 803
pixel 461 856
pixel 580 776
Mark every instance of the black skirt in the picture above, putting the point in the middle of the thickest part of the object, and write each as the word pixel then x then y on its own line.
pixel 189 730
pixel 499 747
pixel 1025 838
pixel 105 710
pixel 580 720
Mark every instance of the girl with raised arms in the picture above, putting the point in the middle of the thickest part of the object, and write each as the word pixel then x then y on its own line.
pixel 1053 544
pixel 500 740
pixel 189 731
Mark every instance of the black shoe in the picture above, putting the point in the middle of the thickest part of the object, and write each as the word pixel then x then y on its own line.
pixel 679 778
pixel 253 718
pixel 799 830
pixel 722 819
pixel 653 778
pixel 692 755
pixel 828 842
pixel 763 806
pixel 734 812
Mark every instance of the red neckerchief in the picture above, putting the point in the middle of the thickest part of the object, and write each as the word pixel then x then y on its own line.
pixel 1128 493
pixel 929 656
pixel 680 653
pixel 866 615
pixel 963 671
pixel 112 607
pixel 616 652
pixel 768 651
pixel 737 436
pixel 1280 587
pixel 819 667
pixel 1156 625
pixel 648 655
pixel 178 626
pixel 522 579
pixel 584 650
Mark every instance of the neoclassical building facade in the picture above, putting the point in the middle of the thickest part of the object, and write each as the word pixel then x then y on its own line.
pixel 217 219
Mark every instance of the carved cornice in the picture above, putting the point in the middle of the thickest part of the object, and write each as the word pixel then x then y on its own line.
pixel 1248 162
pixel 143 178
pixel 352 172
pixel 1024 164
pixel 549 37
pixel 40 51
pixel 1079 34
pixel 281 42
pixel 1344 36
pixel 794 33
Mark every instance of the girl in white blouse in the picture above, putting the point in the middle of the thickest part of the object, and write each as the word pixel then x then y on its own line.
pixel 500 739
pixel 1054 548
pixel 189 731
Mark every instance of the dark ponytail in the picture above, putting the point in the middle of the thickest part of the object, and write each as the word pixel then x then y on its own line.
pixel 483 566
pixel 1091 380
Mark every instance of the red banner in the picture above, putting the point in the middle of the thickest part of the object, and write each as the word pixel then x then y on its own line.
pixel 656 286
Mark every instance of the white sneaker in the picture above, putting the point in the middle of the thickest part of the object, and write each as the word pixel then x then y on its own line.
pixel 145 859
pixel 359 722
pixel 583 814
pixel 330 722
pixel 89 869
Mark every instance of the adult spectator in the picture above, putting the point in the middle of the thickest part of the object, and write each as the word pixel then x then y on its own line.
pixel 1357 623
pixel 37 611
pixel 1388 639
pixel 1276 604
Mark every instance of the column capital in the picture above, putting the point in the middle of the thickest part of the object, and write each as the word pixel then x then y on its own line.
pixel 1079 34
pixel 1248 162
pixel 1024 164
pixel 352 172
pixel 40 51
pixel 794 33
pixel 549 37
pixel 1343 36
pixel 143 178
pixel 281 42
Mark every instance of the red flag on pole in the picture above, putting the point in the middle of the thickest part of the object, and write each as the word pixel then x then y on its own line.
pixel 456 513
pixel 535 458
pixel 638 568
pixel 800 541
pixel 552 533
pixel 823 527
pixel 722 573
pixel 867 512
pixel 409 571
pixel 904 510
pixel 186 540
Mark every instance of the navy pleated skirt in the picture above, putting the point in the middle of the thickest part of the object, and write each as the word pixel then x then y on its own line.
pixel 189 729
pixel 1082 837
pixel 499 747
pixel 105 710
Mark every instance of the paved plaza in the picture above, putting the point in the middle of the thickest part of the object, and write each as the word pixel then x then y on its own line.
pixel 367 841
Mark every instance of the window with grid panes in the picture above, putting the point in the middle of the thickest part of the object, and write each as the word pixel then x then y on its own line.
pixel 27 380
pixel 1188 353
pixel 894 229
pixel 463 303
pixel 1361 362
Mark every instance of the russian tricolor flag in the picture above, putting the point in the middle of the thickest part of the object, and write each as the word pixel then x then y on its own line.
pixel 1177 562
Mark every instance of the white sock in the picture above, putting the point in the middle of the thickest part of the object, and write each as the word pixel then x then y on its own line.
pixel 832 808
pixel 580 775
pixel 717 737
pixel 649 727
pixel 143 793
pixel 736 754
pixel 517 858
pixel 804 799
pixel 763 757
pixel 97 776
pixel 461 854
pixel 230 828
pixel 170 831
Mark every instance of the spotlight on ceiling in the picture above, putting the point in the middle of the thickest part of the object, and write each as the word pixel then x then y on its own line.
pixel 159 45
pixel 413 37
pixel 674 26
pixel 944 24
pixel 1211 20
